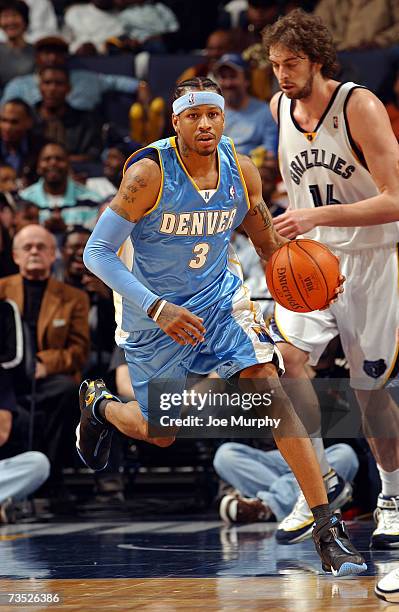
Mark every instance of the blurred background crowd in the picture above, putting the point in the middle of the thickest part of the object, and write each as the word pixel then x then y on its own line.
pixel 82 86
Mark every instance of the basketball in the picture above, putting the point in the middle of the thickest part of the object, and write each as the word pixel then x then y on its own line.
pixel 302 275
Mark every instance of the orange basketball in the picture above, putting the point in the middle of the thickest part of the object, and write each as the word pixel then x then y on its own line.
pixel 302 275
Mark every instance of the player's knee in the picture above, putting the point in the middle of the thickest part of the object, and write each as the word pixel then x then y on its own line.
pixel 294 360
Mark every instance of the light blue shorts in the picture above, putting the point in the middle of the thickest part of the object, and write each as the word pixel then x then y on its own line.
pixel 236 338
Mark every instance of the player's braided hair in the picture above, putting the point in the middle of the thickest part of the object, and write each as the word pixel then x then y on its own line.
pixel 196 84
pixel 304 33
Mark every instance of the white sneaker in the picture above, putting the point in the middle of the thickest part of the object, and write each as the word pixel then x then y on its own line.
pixel 297 526
pixel 386 515
pixel 388 587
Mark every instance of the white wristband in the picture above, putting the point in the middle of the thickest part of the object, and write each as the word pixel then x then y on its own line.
pixel 159 310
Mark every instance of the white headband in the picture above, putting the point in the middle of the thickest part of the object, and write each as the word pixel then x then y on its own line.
pixel 195 98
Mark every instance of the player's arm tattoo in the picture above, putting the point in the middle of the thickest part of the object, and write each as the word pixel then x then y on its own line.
pixel 122 212
pixel 262 211
pixel 128 195
pixel 265 238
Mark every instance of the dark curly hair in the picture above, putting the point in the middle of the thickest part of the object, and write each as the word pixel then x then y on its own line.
pixel 304 33
pixel 18 6
pixel 196 84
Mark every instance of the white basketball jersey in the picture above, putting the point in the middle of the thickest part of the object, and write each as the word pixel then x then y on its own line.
pixel 324 167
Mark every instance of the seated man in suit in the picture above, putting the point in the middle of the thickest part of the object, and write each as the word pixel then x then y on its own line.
pixel 55 316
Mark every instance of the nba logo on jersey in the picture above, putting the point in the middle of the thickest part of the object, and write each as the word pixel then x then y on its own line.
pixel 335 122
pixel 191 98
pixel 232 192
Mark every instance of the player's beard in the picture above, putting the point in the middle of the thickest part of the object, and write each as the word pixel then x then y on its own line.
pixel 204 152
pixel 304 92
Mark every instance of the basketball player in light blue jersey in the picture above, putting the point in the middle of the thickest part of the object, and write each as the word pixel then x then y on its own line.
pixel 339 160
pixel 185 311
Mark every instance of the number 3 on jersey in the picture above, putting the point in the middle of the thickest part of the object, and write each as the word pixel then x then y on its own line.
pixel 200 251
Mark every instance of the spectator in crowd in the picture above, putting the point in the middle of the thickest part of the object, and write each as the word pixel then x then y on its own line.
pixel 272 185
pixel 24 473
pixel 8 186
pixel 87 87
pixel 257 15
pixel 265 486
pixel 8 178
pixel 261 13
pixel 62 201
pixel 250 17
pixel 218 43
pixel 113 161
pixel 27 213
pixel 248 121
pixel 365 24
pixel 18 147
pixel 16 55
pixel 7 265
pixel 42 20
pixel 145 22
pixel 56 319
pixel 88 26
pixel 79 131
pixel 102 312
pixel 231 15
pixel 6 212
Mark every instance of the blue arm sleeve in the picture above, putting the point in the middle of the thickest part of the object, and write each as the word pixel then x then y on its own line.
pixel 100 258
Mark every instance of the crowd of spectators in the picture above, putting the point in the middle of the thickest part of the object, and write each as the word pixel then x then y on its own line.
pixel 68 122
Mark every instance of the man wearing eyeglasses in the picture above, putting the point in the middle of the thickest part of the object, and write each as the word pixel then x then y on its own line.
pixel 55 318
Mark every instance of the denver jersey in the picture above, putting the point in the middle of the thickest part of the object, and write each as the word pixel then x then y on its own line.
pixel 325 167
pixel 180 246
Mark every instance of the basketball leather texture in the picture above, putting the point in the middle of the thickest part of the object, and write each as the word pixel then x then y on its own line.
pixel 302 275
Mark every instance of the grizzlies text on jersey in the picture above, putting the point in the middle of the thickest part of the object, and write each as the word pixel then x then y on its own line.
pixel 324 167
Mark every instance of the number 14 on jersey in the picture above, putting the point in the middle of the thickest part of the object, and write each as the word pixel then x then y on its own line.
pixel 317 196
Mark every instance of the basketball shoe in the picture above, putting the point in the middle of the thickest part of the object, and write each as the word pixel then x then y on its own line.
pixel 386 515
pixel 93 435
pixel 388 587
pixel 297 526
pixel 337 553
pixel 237 509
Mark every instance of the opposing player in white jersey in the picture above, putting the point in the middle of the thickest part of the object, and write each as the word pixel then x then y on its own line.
pixel 340 162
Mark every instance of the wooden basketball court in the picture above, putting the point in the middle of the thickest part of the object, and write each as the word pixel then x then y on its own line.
pixel 175 565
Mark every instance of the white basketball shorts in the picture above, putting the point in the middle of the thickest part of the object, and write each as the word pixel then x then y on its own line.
pixel 366 316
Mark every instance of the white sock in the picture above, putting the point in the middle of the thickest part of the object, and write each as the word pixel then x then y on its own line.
pixel 390 482
pixel 318 446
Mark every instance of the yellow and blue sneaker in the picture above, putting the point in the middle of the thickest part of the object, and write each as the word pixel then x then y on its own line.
pixel 93 434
